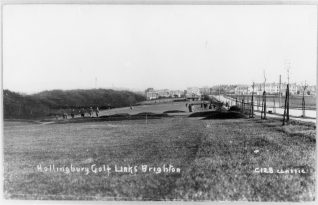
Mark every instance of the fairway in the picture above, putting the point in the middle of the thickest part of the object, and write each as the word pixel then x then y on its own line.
pixel 216 158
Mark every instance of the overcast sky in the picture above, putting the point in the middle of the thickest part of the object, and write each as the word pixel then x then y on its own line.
pixel 161 46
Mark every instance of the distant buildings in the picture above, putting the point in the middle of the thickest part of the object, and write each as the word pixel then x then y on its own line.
pixel 152 94
pixel 193 92
pixel 242 90
pixel 273 89
pixel 196 92
pixel 311 90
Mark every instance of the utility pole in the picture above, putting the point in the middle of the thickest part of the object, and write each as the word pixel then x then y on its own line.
pixel 264 98
pixel 303 100
pixel 280 89
pixel 252 102
pixel 286 108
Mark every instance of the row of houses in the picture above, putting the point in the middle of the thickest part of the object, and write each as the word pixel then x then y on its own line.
pixel 152 94
pixel 191 92
pixel 274 88
pixel 196 92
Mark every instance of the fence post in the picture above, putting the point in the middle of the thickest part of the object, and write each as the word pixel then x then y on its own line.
pixel 286 108
pixel 264 104
pixel 252 101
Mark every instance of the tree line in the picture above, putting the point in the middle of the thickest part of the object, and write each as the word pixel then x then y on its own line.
pixel 54 102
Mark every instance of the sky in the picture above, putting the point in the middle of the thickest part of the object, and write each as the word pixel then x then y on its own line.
pixel 135 47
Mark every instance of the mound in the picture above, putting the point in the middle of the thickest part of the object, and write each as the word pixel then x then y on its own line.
pixel 201 114
pixel 174 111
pixel 118 115
pixel 150 114
pixel 218 115
pixel 225 115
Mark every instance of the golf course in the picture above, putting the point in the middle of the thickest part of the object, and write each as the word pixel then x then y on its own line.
pixel 159 152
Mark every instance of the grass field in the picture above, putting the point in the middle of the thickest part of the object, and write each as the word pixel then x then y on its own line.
pixel 217 159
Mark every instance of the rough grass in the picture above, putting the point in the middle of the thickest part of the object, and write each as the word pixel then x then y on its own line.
pixel 226 160
pixel 217 160
pixel 169 141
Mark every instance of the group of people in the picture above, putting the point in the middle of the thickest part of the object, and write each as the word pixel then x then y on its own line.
pixel 82 112
pixel 90 111
pixel 203 106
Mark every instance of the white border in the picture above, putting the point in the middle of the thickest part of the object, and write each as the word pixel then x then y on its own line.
pixel 137 2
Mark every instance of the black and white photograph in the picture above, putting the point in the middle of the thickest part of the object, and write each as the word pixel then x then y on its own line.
pixel 162 101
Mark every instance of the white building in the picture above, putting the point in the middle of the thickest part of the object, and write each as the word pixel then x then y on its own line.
pixel 164 93
pixel 176 93
pixel 270 88
pixel 193 91
pixel 242 90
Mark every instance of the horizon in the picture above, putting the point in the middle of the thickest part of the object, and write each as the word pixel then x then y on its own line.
pixel 65 47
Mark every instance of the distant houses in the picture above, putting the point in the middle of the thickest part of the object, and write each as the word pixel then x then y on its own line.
pixel 274 89
pixel 193 92
pixel 197 93
pixel 152 94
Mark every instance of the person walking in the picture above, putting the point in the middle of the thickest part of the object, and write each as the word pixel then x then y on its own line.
pixel 97 111
pixel 82 111
pixel 72 113
pixel 190 107
pixel 90 111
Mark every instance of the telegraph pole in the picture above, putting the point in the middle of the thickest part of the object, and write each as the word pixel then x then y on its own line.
pixel 303 100
pixel 280 89
pixel 286 108
pixel 264 97
pixel 252 101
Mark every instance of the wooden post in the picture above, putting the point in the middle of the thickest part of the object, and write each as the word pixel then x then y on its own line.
pixel 286 107
pixel 252 102
pixel 264 96
pixel 263 115
pixel 287 119
pixel 262 111
pixel 303 105
pixel 274 108
pixel 303 100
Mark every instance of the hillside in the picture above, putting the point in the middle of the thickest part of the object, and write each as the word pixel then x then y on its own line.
pixel 57 101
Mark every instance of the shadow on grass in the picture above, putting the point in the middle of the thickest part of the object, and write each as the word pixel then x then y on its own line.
pixel 174 111
pixel 219 115
pixel 115 117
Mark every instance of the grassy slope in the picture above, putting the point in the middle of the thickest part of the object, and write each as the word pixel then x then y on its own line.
pixel 225 163
pixel 161 141
pixel 215 163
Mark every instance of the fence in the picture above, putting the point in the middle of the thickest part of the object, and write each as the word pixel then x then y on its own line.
pixel 272 103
